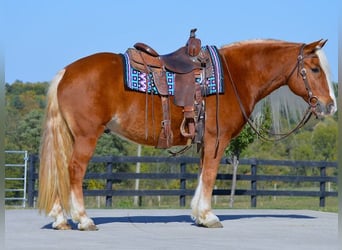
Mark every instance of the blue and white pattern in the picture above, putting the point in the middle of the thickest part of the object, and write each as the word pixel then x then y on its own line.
pixel 142 82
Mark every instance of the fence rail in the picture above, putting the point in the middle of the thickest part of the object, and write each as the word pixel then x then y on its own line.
pixel 254 177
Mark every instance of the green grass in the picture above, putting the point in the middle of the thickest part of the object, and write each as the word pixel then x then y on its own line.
pixel 221 202
pixel 218 202
pixel 284 202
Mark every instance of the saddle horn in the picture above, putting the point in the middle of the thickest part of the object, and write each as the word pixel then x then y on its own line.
pixel 193 44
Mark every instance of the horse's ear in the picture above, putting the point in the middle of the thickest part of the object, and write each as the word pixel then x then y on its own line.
pixel 312 47
pixel 321 43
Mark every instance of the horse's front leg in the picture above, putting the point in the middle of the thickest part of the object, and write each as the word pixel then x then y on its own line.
pixel 201 202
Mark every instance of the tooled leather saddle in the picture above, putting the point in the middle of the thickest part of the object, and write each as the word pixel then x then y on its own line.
pixel 191 64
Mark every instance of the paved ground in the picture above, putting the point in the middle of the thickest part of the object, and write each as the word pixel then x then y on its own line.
pixel 173 229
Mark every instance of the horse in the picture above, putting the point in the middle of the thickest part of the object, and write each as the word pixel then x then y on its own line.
pixel 88 94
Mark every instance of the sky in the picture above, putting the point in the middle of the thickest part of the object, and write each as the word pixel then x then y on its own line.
pixel 41 37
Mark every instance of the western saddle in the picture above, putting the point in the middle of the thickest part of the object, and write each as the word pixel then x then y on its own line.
pixel 191 66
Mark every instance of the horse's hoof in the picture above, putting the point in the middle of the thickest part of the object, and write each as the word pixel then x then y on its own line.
pixel 89 227
pixel 216 224
pixel 61 226
pixel 209 221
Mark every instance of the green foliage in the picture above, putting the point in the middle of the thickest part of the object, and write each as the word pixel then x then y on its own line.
pixel 238 144
pixel 300 147
pixel 29 131
pixel 109 144
pixel 25 104
pixel 93 185
pixel 317 143
pixel 324 139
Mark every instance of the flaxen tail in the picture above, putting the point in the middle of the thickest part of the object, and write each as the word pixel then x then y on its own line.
pixel 55 153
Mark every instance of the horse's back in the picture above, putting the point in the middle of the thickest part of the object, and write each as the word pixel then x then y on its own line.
pixel 98 66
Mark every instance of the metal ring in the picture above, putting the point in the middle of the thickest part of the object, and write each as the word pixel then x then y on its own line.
pixel 313 101
pixel 303 71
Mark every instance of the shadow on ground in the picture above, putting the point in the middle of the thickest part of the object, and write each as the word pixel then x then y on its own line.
pixel 180 219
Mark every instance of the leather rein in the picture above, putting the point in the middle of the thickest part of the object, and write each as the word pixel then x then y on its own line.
pixel 312 100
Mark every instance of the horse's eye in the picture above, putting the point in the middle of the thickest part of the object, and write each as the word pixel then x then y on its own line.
pixel 315 70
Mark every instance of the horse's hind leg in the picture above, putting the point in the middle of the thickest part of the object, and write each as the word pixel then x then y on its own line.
pixel 83 150
pixel 57 212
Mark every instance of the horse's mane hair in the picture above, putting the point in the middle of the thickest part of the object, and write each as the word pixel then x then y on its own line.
pixel 252 41
pixel 324 63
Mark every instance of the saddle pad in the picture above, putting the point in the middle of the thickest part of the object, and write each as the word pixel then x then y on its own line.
pixel 139 81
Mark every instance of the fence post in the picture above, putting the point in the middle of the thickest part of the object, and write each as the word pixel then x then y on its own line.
pixel 109 185
pixel 31 180
pixel 322 186
pixel 253 183
pixel 182 184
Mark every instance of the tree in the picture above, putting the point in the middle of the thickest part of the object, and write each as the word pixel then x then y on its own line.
pixel 241 142
pixel 29 131
pixel 236 146
pixel 324 140
pixel 110 144
pixel 300 147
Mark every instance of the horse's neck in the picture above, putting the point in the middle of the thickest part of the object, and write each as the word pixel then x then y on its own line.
pixel 257 71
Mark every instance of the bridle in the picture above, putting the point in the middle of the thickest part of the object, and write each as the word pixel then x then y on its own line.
pixel 312 99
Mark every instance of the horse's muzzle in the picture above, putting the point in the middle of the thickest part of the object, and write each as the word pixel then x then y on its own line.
pixel 322 109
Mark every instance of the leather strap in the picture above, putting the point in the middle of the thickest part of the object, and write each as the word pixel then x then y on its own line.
pixel 166 136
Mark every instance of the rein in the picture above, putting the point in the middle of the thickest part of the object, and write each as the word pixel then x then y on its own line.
pixel 312 100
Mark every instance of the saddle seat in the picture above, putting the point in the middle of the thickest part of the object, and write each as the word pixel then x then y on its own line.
pixel 178 61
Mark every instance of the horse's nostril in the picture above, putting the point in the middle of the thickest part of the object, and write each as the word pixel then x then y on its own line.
pixel 318 108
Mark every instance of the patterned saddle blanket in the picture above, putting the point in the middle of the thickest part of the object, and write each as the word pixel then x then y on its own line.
pixel 137 80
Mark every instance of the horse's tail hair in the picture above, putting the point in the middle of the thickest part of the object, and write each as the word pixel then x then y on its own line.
pixel 55 153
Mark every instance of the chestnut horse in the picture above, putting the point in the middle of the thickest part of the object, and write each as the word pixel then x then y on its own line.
pixel 88 96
